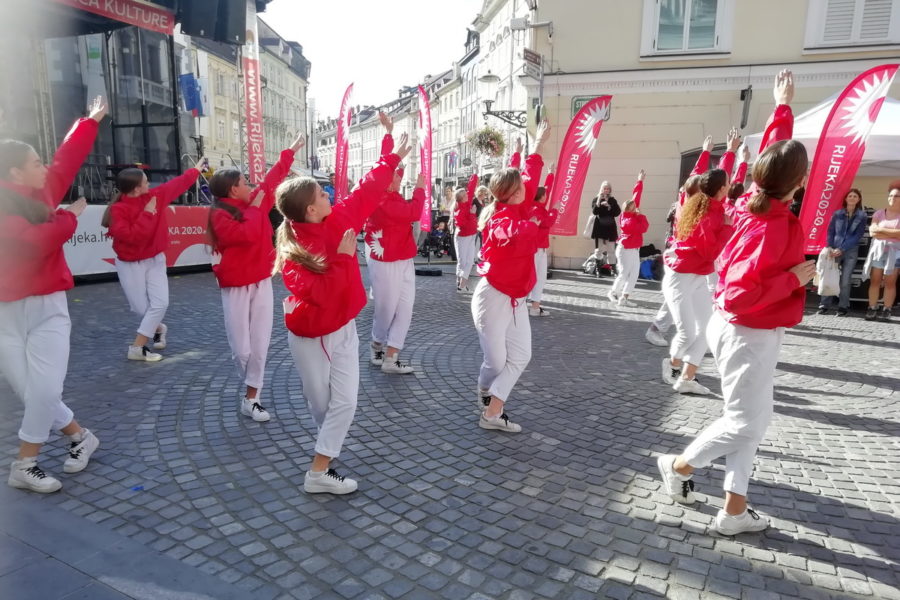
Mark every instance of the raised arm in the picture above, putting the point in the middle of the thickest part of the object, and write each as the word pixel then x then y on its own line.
pixel 370 192
pixel 73 151
pixel 638 189
pixel 387 142
pixel 515 160
pixel 781 124
pixel 167 192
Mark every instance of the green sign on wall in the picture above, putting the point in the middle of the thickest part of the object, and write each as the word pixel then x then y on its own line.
pixel 579 101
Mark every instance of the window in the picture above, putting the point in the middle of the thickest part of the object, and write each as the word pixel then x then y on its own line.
pixel 235 132
pixel 843 23
pixel 678 27
pixel 220 130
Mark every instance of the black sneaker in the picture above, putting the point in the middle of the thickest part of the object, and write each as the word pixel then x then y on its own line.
pixel 822 310
pixel 886 313
pixel 871 313
pixel 842 312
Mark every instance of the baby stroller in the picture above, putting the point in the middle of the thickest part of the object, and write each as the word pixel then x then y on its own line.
pixel 438 242
pixel 597 264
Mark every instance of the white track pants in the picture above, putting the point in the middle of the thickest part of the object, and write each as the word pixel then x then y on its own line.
pixel 504 332
pixel 248 324
pixel 746 359
pixel 663 319
pixel 540 268
pixel 146 287
pixel 394 290
pixel 34 357
pixel 465 255
pixel 690 303
pixel 329 370
pixel 629 266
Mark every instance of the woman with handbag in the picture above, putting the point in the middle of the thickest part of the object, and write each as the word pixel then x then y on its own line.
pixel 845 231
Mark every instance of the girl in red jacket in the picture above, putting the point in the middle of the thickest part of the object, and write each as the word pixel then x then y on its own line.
pixel 632 225
pixel 34 315
pixel 390 250
pixel 498 304
pixel 700 234
pixel 761 292
pixel 316 253
pixel 241 235
pixel 466 221
pixel 546 215
pixel 138 225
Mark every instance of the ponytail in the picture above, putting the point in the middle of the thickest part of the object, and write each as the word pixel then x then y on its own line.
pixel 127 181
pixel 287 248
pixel 777 172
pixel 292 198
pixel 236 214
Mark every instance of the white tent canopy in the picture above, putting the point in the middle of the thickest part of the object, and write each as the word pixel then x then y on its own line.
pixel 882 157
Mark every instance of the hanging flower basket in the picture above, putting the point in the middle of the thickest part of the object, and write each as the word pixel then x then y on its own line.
pixel 488 141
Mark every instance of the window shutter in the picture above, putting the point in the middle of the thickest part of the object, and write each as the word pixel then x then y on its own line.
pixel 839 21
pixel 876 20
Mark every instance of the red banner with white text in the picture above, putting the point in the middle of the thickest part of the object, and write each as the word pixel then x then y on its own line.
pixel 423 135
pixel 840 152
pixel 133 12
pixel 253 102
pixel 574 161
pixel 342 151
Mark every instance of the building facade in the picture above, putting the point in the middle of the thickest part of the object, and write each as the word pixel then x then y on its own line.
pixel 677 69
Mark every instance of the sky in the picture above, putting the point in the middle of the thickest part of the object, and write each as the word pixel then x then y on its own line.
pixel 378 46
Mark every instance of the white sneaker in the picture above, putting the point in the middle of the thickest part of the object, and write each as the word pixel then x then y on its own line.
pixel 80 452
pixel 534 312
pixel 143 353
pixel 25 474
pixel 376 355
pixel 623 301
pixel 500 423
pixel 747 521
pixel 396 366
pixel 655 337
pixel 680 489
pixel 328 482
pixel 690 386
pixel 159 340
pixel 253 409
pixel 611 296
pixel 669 373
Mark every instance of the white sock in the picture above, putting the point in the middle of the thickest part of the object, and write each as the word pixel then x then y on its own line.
pixel 78 437
pixel 315 474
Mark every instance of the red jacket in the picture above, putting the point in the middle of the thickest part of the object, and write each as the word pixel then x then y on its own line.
pixel 741 174
pixel 546 218
pixel 697 253
pixel 633 226
pixel 511 239
pixel 32 262
pixel 756 288
pixel 138 234
pixel 327 301
pixel 464 212
pixel 244 244
pixel 726 163
pixel 389 235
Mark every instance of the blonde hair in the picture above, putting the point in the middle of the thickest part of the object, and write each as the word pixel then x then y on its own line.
pixel 697 205
pixel 481 188
pixel 629 206
pixel 503 185
pixel 292 198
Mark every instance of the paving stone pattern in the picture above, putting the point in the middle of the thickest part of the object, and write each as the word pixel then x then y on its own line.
pixel 569 508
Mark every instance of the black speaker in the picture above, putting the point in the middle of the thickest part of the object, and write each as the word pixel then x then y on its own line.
pixel 231 22
pixel 199 17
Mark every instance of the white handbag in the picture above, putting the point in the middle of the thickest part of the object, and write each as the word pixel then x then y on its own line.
pixel 589 227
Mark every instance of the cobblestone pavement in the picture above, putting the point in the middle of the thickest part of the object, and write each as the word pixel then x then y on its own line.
pixel 570 508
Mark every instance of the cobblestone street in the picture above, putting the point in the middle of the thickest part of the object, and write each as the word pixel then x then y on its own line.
pixel 200 499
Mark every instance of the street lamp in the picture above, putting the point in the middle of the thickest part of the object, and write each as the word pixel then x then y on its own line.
pixel 488 87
